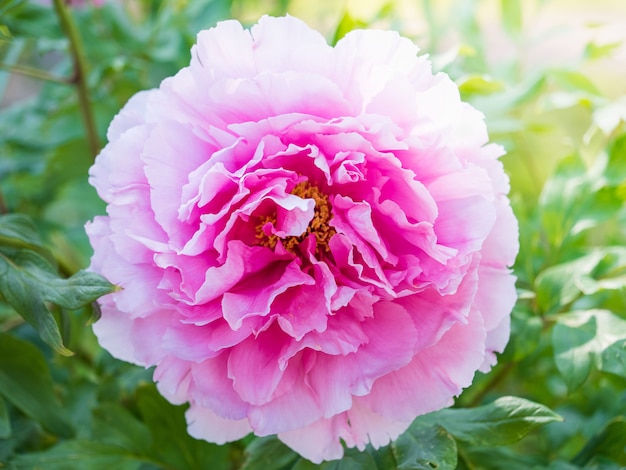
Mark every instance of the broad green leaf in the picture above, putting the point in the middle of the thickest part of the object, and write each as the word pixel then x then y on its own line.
pixel 610 442
pixel 171 443
pixel 269 453
pixel 72 293
pixel 28 281
pixel 496 458
pixel 115 425
pixel 425 448
pixel 27 301
pixel 613 358
pixel 79 455
pixel 5 420
pixel 504 421
pixel 525 333
pixel 353 459
pixel 576 198
pixel 601 269
pixel 25 381
pixel 587 338
pixel 80 289
pixel 19 231
pixel 573 344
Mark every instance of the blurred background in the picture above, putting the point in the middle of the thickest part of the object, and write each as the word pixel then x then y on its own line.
pixel 550 78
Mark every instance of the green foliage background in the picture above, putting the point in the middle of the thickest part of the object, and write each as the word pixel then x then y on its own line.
pixel 552 95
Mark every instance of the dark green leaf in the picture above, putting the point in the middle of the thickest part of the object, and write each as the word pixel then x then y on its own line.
pixel 526 331
pixel 19 231
pixel 353 459
pixel 506 420
pixel 82 288
pixel 573 344
pixel 22 295
pixel 170 441
pixel 115 425
pixel 5 421
pixel 425 448
pixel 28 281
pixel 79 455
pixel 610 442
pixel 269 453
pixel 495 458
pixel 25 381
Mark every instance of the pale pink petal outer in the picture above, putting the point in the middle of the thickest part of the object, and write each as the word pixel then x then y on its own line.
pixel 414 293
pixel 204 424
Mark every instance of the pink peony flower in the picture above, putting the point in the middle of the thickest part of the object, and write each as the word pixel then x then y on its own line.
pixel 312 241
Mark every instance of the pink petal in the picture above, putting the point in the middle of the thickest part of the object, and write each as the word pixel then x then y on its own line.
pixel 202 423
pixel 433 376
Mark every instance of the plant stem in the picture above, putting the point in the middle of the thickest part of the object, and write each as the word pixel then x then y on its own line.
pixel 34 73
pixel 80 75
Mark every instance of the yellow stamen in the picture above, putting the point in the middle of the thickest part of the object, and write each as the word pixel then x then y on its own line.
pixel 318 226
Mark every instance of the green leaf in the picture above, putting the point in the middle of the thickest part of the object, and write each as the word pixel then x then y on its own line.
pixel 504 421
pixel 79 455
pixel 576 198
pixel 5 421
pixel 25 381
pixel 574 349
pixel 574 81
pixel 526 331
pixel 5 34
pixel 613 358
pixel 28 281
pixel 353 459
pixel 586 338
pixel 269 453
pixel 425 448
pixel 601 269
pixel 170 441
pixel 595 51
pixel 478 84
pixel 610 442
pixel 26 300
pixel 115 425
pixel 80 289
pixel 347 24
pixel 496 458
pixel 512 16
pixel 19 231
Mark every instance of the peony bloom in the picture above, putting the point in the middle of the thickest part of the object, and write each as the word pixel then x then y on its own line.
pixel 312 241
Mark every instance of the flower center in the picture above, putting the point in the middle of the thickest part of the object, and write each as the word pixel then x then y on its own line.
pixel 318 226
